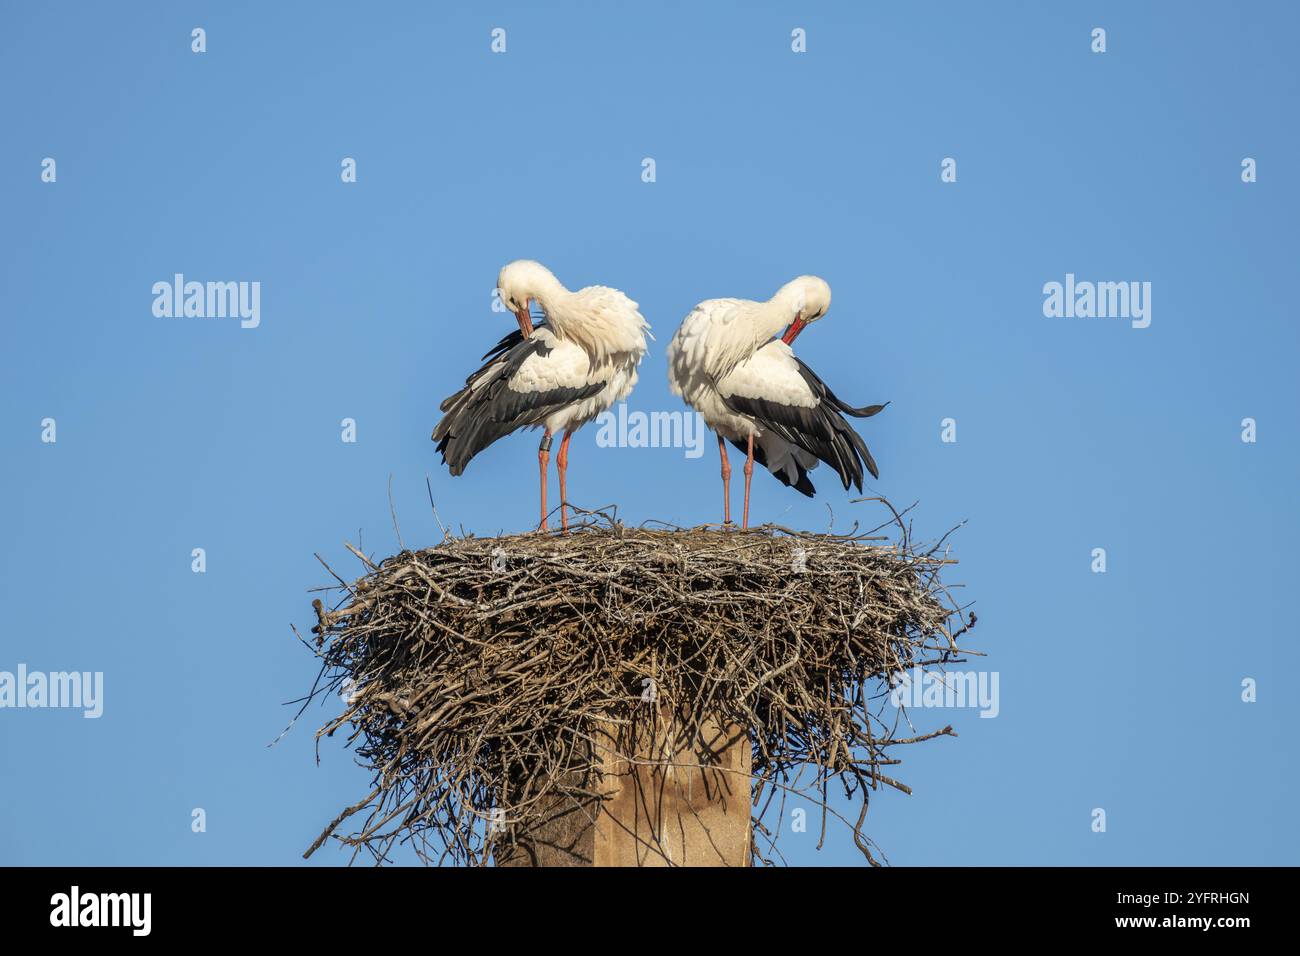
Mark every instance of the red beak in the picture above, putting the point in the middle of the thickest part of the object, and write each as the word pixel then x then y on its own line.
pixel 795 328
pixel 525 321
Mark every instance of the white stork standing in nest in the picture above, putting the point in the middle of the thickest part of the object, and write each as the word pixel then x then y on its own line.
pixel 752 390
pixel 556 374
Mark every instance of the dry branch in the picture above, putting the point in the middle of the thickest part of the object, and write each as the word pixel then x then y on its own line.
pixel 476 674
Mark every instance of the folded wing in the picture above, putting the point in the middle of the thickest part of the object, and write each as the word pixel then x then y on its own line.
pixel 521 383
pixel 798 413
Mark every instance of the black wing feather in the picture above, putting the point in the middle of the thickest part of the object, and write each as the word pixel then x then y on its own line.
pixel 487 409
pixel 802 482
pixel 820 430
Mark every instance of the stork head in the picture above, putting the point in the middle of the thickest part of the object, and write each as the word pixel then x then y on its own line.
pixel 806 300
pixel 519 283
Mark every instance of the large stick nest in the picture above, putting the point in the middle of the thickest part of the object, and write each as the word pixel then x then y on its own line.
pixel 475 673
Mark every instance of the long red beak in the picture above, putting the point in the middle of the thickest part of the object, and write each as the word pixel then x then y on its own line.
pixel 795 328
pixel 525 321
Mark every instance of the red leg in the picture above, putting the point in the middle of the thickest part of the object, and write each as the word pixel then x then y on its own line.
pixel 562 465
pixel 749 473
pixel 726 482
pixel 544 459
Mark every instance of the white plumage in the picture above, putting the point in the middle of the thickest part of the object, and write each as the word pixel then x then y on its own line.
pixel 565 365
pixel 558 375
pixel 772 373
pixel 749 386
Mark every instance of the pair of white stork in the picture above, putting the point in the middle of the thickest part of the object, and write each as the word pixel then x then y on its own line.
pixel 726 361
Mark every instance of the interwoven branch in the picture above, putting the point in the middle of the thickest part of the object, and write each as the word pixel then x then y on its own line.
pixel 476 673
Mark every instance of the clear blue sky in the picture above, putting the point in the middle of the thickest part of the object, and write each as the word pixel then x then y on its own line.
pixel 1118 690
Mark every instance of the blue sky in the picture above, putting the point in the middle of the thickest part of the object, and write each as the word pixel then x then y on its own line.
pixel 1119 691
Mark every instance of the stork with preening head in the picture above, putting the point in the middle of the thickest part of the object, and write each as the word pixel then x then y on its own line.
pixel 557 373
pixel 752 390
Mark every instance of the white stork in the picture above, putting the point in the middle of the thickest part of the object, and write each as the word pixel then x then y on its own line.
pixel 556 374
pixel 752 390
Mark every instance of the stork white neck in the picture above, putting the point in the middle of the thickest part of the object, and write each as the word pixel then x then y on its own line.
pixel 548 290
pixel 602 321
pixel 774 316
pixel 799 302
pixel 801 299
